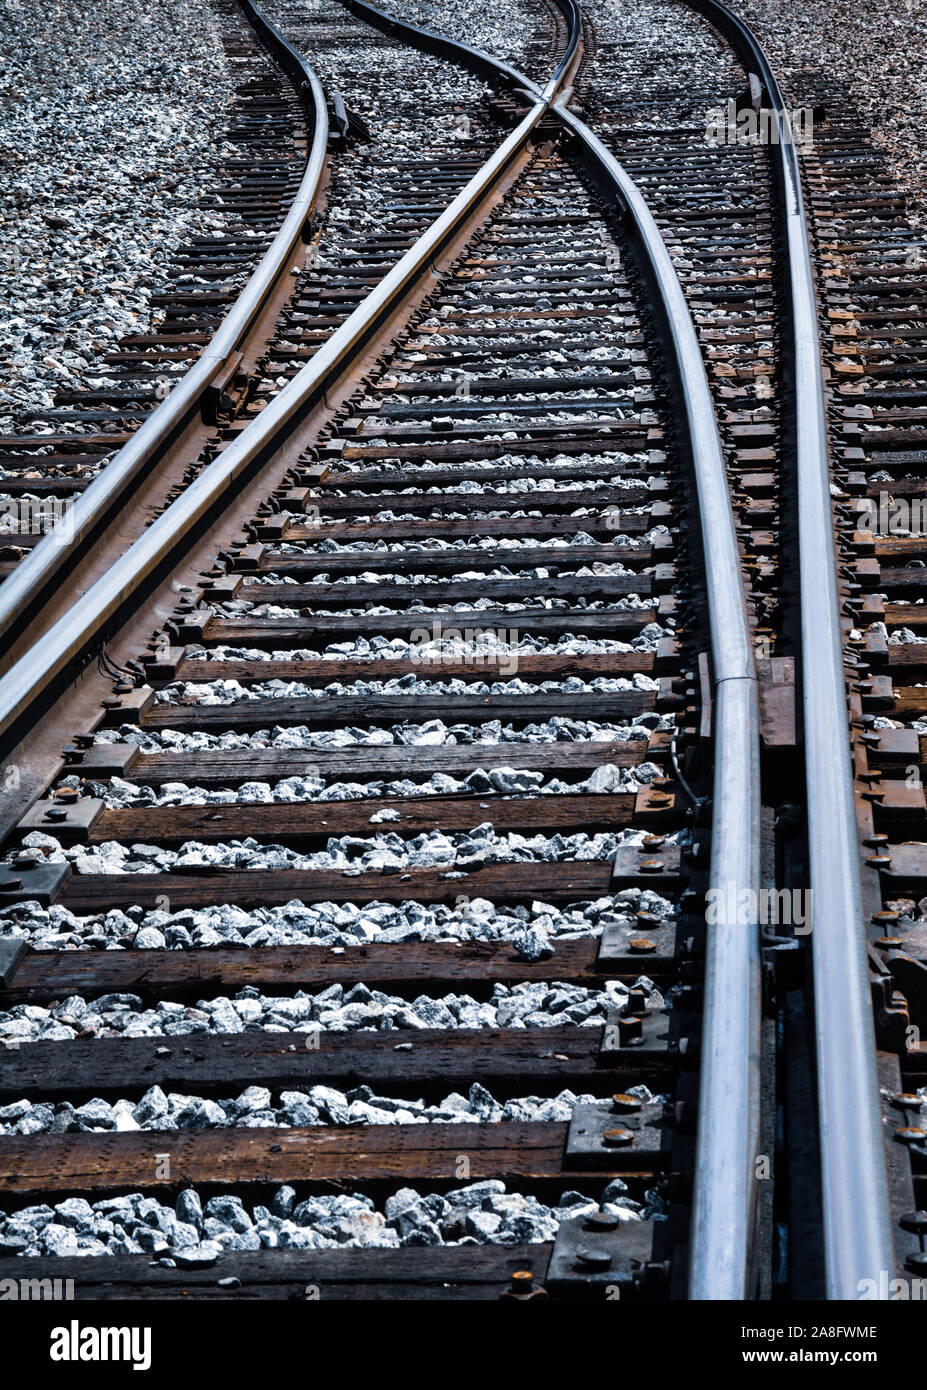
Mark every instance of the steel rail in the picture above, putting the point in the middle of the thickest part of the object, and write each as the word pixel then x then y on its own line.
pixel 475 59
pixel 23 590
pixel 90 618
pixel 726 1189
pixel 857 1222
pixel 721 1239
pixel 573 14
pixel 725 1195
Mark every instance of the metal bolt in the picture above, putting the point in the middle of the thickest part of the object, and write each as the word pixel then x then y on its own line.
pixel 602 1221
pixel 630 1030
pixel 907 1100
pixel 618 1138
pixel 593 1259
pixel 915 1223
pixel 621 1101
pixel 649 919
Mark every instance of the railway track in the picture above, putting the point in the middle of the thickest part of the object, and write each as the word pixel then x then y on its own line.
pixel 362 808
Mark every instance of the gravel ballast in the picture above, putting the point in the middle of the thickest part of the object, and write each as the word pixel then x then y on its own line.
pixel 107 153
pixel 545 1004
pixel 196 1233
pixel 256 1108
pixel 875 52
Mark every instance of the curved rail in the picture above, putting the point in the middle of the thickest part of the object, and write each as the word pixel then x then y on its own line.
pixel 725 1196
pixel 725 1192
pixel 91 617
pixel 857 1224
pixel 475 59
pixel 728 1133
pixel 570 61
pixel 21 593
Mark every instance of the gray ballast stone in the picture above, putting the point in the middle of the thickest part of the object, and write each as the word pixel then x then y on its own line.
pixel 386 850
pixel 533 1005
pixel 482 1213
pixel 138 105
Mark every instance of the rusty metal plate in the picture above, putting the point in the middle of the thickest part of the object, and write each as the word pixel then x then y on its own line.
pixel 102 760
pixel 653 1034
pixel 611 1135
pixel 68 821
pixel 656 864
pixel 642 944
pixel 29 880
pixel 776 677
pixel 603 1256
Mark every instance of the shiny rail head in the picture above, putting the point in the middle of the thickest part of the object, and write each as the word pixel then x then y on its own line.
pixel 23 590
pixel 58 650
pixel 857 1221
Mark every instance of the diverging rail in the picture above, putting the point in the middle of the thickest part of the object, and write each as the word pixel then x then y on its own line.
pixel 36 678
pixel 725 1195
pixel 22 594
